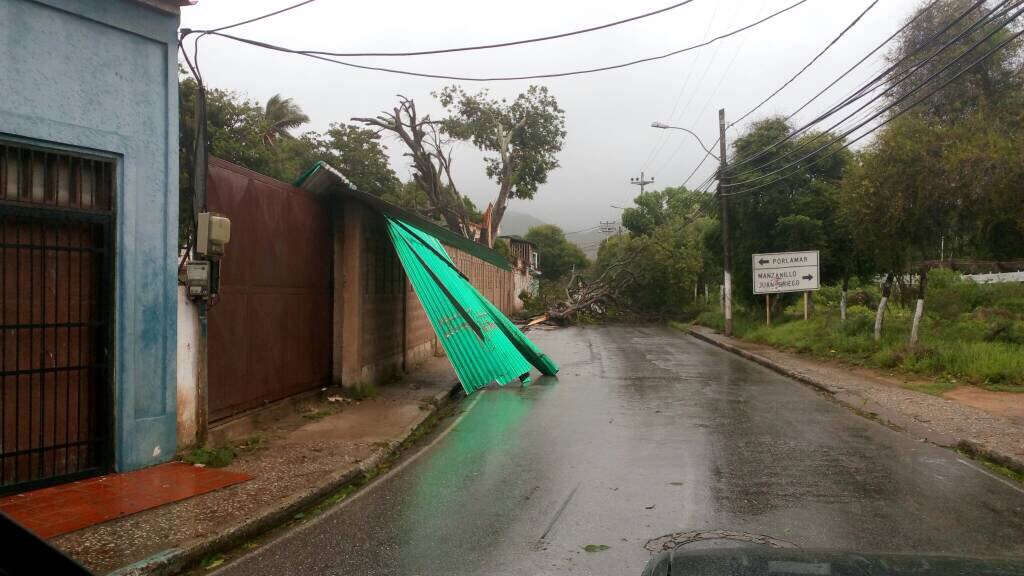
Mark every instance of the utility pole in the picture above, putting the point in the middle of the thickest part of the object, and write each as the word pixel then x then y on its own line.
pixel 726 242
pixel 641 181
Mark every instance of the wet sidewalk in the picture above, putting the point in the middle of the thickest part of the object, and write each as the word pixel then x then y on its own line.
pixel 50 512
pixel 989 424
pixel 295 460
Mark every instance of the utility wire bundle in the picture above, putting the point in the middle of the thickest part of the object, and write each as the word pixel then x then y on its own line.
pixel 841 133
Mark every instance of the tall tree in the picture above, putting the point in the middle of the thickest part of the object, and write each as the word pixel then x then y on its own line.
pixel 797 210
pixel 431 157
pixel 556 255
pixel 949 171
pixel 986 83
pixel 235 131
pixel 524 137
pixel 279 117
pixel 664 254
pixel 358 153
pixel 656 208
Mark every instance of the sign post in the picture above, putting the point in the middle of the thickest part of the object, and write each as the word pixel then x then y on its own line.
pixel 781 272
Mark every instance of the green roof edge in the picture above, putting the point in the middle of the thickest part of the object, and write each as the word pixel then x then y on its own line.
pixel 443 234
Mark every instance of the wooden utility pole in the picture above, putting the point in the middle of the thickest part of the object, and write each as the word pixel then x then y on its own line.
pixel 726 242
pixel 641 181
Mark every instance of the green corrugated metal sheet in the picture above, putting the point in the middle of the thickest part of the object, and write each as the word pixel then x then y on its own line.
pixel 482 344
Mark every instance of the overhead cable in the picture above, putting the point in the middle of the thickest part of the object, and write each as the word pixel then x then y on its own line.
pixel 897 114
pixel 504 44
pixel 809 64
pixel 257 18
pixel 906 75
pixel 325 58
pixel 869 86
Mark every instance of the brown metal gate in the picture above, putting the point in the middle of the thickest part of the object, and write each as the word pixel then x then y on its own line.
pixel 56 230
pixel 270 330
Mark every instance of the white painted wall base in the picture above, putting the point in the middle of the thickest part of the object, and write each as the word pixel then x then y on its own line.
pixel 188 369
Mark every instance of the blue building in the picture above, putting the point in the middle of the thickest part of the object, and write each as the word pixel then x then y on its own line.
pixel 88 236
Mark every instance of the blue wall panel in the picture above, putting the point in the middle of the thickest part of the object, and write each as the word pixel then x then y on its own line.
pixel 101 76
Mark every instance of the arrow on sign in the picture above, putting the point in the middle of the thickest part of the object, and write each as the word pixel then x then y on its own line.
pixel 762 262
pixel 808 277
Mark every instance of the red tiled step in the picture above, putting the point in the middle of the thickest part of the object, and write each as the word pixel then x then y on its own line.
pixel 68 507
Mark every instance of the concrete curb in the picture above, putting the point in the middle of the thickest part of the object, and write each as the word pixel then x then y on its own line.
pixel 757 358
pixel 867 408
pixel 174 560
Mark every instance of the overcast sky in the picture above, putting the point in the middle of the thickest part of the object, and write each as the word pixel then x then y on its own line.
pixel 608 114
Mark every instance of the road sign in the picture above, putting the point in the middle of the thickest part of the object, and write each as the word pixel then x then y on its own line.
pixel 786 272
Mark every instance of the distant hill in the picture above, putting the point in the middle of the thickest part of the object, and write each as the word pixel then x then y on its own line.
pixel 518 224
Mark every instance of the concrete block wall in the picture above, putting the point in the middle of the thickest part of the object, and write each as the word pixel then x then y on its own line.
pixel 382 336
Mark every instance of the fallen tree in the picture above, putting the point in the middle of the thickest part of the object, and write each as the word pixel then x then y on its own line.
pixel 591 295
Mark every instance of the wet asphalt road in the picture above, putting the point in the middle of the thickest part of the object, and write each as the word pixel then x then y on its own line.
pixel 647 432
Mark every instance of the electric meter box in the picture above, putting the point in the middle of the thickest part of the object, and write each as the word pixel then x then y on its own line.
pixel 212 233
pixel 197 279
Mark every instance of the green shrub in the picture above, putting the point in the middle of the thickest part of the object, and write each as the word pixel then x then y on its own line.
pixel 859 320
pixel 214 457
pixel 1005 330
pixel 970 333
pixel 1014 305
pixel 888 357
pixel 828 296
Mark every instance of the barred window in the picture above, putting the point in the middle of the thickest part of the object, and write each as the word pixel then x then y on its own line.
pixel 34 176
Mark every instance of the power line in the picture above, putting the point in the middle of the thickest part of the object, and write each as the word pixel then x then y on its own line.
pixel 732 62
pixel 325 58
pixel 795 76
pixel 862 60
pixel 583 230
pixel 251 20
pixel 898 113
pixel 693 94
pixel 981 22
pixel 682 89
pixel 689 100
pixel 808 65
pixel 504 44
pixel 864 90
pixel 699 164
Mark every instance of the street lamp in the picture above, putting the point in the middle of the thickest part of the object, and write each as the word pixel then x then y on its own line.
pixel 664 126
pixel 726 244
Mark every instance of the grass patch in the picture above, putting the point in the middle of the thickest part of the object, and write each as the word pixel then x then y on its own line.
pixel 971 334
pixel 1003 470
pixel 316 414
pixel 211 562
pixel 362 392
pixel 991 465
pixel 251 443
pixel 218 457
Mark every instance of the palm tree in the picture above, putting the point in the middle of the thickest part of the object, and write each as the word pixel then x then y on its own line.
pixel 279 116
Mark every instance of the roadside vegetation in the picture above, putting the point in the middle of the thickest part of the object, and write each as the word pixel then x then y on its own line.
pixel 971 333
pixel 935 191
